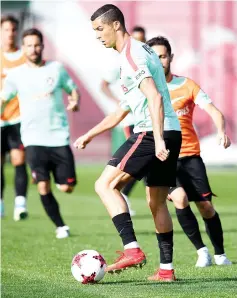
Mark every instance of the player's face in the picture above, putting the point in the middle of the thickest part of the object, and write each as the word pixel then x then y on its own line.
pixel 33 48
pixel 8 34
pixel 164 56
pixel 139 36
pixel 105 33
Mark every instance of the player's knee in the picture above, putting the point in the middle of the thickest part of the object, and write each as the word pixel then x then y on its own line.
pixel 179 198
pixel 44 187
pixel 66 188
pixel 17 157
pixel 206 209
pixel 100 186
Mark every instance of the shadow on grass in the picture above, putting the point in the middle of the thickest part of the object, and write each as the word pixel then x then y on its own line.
pixel 177 283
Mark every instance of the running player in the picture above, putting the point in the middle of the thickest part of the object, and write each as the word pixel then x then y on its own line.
pixel 12 57
pixel 44 124
pixel 192 181
pixel 152 151
pixel 111 77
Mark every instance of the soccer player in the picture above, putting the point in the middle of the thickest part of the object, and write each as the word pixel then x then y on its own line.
pixel 11 142
pixel 192 181
pixel 44 124
pixel 152 151
pixel 111 77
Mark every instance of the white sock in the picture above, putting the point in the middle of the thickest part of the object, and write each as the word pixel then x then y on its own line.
pixel 168 266
pixel 133 244
pixel 20 201
pixel 202 250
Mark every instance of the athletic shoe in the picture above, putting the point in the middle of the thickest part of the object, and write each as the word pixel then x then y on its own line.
pixel 222 260
pixel 204 258
pixel 62 232
pixel 132 257
pixel 20 211
pixel 2 208
pixel 131 211
pixel 163 275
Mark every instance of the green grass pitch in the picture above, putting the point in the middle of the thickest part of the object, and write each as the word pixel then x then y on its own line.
pixel 37 265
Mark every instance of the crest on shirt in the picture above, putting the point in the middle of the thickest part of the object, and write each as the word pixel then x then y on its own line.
pixel 50 81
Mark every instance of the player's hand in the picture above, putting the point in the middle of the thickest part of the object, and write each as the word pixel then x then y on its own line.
pixel 82 141
pixel 223 140
pixel 161 152
pixel 72 104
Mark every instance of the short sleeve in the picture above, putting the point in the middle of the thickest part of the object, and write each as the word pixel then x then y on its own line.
pixel 66 81
pixel 9 90
pixel 200 97
pixel 141 71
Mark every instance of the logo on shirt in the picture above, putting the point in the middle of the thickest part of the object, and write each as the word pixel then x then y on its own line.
pixel 140 74
pixel 125 89
pixel 183 111
pixel 50 81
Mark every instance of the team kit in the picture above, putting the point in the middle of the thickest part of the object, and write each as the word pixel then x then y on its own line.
pixel 161 148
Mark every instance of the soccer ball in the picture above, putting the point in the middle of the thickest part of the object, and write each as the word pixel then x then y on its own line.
pixel 88 266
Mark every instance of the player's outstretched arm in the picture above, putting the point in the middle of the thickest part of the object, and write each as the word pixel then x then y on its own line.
pixel 107 123
pixel 156 108
pixel 219 121
pixel 73 101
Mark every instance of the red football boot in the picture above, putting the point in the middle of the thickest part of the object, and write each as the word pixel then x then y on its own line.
pixel 163 275
pixel 132 257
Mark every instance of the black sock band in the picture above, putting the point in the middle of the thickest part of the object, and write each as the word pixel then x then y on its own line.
pixel 189 224
pixel 165 242
pixel 124 226
pixel 215 233
pixel 52 209
pixel 21 180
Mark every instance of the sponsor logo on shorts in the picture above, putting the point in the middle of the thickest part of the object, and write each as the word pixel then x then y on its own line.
pixel 183 111
pixel 70 180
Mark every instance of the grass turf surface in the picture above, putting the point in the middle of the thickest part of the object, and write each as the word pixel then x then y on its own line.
pixel 36 264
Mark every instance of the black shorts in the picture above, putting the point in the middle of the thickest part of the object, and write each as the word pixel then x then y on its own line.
pixel 137 158
pixel 58 160
pixel 192 177
pixel 11 138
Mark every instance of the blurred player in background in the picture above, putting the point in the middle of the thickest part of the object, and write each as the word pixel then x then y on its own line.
pixel 12 57
pixel 44 123
pixel 111 77
pixel 151 151
pixel 192 181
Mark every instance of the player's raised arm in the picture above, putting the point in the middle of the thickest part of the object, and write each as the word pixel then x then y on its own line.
pixel 205 103
pixel 107 123
pixel 70 87
pixel 219 121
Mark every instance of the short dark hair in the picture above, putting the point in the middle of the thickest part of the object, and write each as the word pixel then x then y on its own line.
pixel 11 19
pixel 160 41
pixel 109 13
pixel 33 31
pixel 139 29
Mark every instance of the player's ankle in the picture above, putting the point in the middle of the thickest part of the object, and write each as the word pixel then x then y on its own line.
pixel 130 245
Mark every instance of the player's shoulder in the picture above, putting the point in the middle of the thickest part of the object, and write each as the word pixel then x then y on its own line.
pixel 18 70
pixel 137 48
pixel 54 64
pixel 184 81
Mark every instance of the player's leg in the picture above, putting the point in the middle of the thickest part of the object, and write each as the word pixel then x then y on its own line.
pixel 108 187
pixel 128 131
pixel 63 167
pixel 197 173
pixel 129 161
pixel 160 177
pixel 17 156
pixel 38 158
pixel 214 231
pixel 189 224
